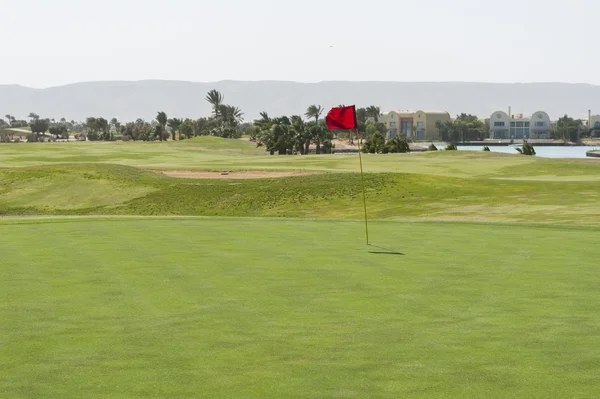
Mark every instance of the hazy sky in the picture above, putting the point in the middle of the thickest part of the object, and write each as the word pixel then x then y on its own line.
pixel 53 42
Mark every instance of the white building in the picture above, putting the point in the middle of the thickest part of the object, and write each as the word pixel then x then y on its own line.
pixel 518 127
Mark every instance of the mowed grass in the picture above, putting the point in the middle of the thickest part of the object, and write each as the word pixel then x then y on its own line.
pixel 243 308
pixel 98 189
pixel 212 153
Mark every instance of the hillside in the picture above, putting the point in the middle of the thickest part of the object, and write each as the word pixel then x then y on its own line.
pixel 131 100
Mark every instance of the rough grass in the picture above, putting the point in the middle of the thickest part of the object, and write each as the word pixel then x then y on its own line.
pixel 88 189
pixel 211 153
pixel 296 309
pixel 71 187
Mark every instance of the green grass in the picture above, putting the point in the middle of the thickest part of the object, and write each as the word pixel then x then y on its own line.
pixel 97 189
pixel 211 153
pixel 244 308
pixel 110 306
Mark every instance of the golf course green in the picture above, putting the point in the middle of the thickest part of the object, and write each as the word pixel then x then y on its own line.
pixel 118 281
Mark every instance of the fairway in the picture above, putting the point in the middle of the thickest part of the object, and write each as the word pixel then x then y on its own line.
pixel 213 153
pixel 242 308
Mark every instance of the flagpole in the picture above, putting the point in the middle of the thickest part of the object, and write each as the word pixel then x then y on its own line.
pixel 362 179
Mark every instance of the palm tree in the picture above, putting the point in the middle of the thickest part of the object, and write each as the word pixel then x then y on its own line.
pixel 215 98
pixel 162 119
pixel 374 112
pixel 231 115
pixel 314 111
pixel 174 125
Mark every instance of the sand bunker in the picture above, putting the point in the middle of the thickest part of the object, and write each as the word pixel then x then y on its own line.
pixel 187 174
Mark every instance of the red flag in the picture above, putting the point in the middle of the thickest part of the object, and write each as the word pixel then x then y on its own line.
pixel 343 118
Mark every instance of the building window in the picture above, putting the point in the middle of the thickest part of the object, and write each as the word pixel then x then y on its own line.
pixel 526 124
pixel 393 124
pixel 419 124
pixel 540 124
pixel 392 133
pixel 597 125
pixel 498 124
pixel 513 124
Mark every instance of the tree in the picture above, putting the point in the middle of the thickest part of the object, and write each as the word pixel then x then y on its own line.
pixel 374 112
pixel 186 129
pixel 322 137
pixel 162 120
pixel 567 128
pixel 114 124
pixel 397 144
pixel 231 116
pixel 59 131
pixel 98 129
pixel 174 124
pixel 301 134
pixel 39 126
pixel 375 144
pixel 314 111
pixel 202 126
pixel 361 115
pixel 215 98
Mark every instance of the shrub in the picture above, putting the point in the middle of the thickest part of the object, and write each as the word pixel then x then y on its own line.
pixel 526 150
pixel 432 147
pixel 451 147
pixel 375 144
pixel 486 148
pixel 396 145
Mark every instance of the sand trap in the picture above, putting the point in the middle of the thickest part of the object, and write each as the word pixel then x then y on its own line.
pixel 188 174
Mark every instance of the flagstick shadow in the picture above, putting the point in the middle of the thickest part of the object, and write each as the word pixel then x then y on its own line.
pixel 384 251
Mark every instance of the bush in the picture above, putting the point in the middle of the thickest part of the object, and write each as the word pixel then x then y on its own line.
pixel 526 150
pixel 374 145
pixel 486 148
pixel 396 145
pixel 451 147
pixel 432 147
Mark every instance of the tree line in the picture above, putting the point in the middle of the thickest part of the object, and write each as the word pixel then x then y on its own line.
pixel 225 121
pixel 279 135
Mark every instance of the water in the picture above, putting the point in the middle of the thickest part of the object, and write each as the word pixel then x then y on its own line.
pixel 543 152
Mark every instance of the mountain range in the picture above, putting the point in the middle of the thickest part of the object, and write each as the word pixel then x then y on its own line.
pixel 143 99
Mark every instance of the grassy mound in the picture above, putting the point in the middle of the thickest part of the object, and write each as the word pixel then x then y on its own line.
pixel 282 309
pixel 87 189
pixel 213 153
pixel 71 187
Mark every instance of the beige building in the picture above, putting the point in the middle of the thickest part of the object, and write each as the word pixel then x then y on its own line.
pixel 418 125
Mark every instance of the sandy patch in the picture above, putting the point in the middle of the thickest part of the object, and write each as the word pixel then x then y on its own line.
pixel 188 174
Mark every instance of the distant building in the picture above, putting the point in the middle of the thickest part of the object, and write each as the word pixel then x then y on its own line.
pixel 593 124
pixel 419 125
pixel 518 127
